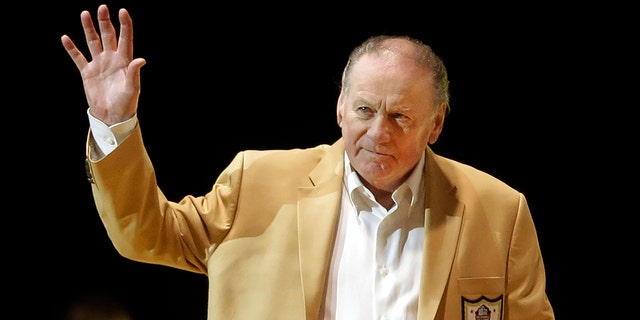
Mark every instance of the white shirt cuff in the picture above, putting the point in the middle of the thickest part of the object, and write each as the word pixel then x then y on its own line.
pixel 107 138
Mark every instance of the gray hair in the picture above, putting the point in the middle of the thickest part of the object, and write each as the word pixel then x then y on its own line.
pixel 424 56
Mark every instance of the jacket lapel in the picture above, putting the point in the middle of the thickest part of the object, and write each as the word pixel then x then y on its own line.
pixel 318 210
pixel 443 218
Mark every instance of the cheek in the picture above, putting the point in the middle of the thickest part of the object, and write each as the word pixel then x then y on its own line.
pixel 350 134
pixel 422 137
pixel 352 128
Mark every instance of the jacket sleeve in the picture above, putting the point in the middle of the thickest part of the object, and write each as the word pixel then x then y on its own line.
pixel 143 224
pixel 526 279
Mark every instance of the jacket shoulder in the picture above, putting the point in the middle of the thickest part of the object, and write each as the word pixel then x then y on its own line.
pixel 467 177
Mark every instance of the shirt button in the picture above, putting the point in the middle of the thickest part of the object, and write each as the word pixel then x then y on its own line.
pixel 110 141
pixel 384 271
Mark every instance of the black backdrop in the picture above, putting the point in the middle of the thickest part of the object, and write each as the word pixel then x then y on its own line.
pixel 526 90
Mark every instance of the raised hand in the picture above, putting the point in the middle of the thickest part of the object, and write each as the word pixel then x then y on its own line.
pixel 111 79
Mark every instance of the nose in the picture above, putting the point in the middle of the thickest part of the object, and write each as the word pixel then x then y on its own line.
pixel 380 129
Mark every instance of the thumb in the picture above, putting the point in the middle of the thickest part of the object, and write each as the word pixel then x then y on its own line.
pixel 133 71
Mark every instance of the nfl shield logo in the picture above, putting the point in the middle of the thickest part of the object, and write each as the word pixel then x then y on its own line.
pixel 482 308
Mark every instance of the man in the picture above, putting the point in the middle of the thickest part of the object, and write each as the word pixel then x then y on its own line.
pixel 373 226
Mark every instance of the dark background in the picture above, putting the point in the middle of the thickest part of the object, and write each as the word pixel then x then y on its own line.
pixel 532 93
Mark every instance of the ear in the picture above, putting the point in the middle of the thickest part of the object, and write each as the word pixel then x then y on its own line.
pixel 438 123
pixel 339 110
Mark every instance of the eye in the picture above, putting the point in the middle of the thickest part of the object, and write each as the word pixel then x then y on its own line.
pixel 400 116
pixel 365 111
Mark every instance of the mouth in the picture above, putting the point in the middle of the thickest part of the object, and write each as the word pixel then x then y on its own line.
pixel 377 153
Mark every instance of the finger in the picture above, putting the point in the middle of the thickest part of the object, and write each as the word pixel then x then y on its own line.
pixel 133 72
pixel 90 34
pixel 107 30
pixel 125 43
pixel 75 54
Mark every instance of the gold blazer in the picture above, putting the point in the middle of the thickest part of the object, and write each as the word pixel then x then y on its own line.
pixel 264 233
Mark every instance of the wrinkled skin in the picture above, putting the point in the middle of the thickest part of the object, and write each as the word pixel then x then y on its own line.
pixel 387 117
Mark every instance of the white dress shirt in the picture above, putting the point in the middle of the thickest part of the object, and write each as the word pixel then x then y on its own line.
pixel 375 268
